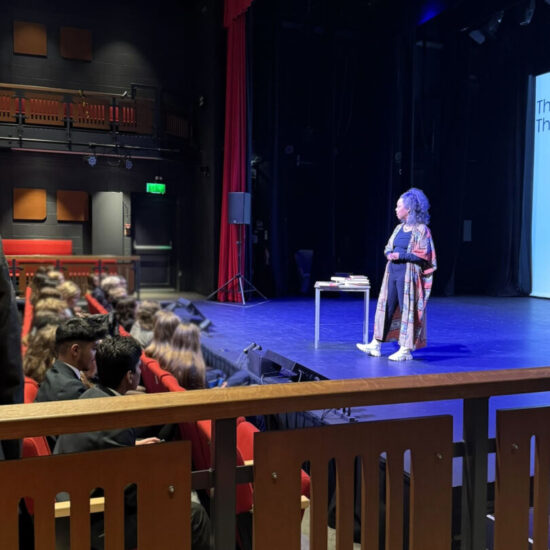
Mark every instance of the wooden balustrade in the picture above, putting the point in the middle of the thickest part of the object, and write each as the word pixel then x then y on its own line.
pixel 279 456
pixel 9 106
pixel 162 476
pixel 93 114
pixel 47 106
pixel 515 428
pixel 44 109
pixel 75 267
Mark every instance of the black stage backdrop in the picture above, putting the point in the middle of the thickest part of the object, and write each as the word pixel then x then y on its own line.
pixel 353 103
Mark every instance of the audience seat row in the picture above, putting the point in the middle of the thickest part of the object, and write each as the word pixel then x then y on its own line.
pixel 199 433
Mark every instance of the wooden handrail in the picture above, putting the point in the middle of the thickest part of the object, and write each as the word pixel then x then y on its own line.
pixel 34 419
pixel 69 257
pixel 46 89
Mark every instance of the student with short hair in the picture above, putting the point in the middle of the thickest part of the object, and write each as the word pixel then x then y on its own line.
pixel 75 343
pixel 118 371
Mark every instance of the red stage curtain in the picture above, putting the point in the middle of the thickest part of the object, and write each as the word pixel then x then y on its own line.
pixel 234 162
pixel 233 9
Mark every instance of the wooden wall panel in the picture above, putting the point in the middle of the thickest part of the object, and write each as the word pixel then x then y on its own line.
pixel 72 206
pixel 29 204
pixel 30 38
pixel 75 43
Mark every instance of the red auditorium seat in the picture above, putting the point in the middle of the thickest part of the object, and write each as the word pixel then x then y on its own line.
pixel 93 305
pixel 32 447
pixel 35 446
pixel 27 319
pixel 170 383
pixel 30 390
pixel 151 374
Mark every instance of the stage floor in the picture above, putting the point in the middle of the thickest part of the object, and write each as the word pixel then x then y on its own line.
pixel 464 334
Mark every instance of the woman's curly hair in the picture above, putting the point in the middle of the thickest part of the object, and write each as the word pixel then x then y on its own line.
pixel 418 206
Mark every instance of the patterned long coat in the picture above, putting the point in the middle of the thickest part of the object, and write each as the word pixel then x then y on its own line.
pixel 409 326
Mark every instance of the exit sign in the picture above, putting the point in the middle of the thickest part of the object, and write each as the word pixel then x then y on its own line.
pixel 156 188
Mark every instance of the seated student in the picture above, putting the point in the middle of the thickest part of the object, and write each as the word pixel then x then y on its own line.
pixel 108 284
pixel 142 329
pixel 165 324
pixel 94 289
pixel 49 292
pixel 75 344
pixel 70 292
pixel 125 312
pixel 118 370
pixel 185 358
pixel 56 276
pixel 187 366
pixel 114 295
pixel 53 305
pixel 40 354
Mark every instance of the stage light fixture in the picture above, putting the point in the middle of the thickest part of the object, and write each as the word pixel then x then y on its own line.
pixel 92 160
pixel 128 163
pixel 527 13
pixel 494 23
pixel 477 36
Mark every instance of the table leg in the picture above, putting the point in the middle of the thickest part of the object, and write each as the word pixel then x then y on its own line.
pixel 366 318
pixel 317 314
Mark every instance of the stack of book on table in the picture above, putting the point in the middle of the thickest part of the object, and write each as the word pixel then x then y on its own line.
pixel 350 281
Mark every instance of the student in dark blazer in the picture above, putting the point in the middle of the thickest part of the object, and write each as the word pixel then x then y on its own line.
pixel 11 371
pixel 118 371
pixel 75 341
pixel 11 382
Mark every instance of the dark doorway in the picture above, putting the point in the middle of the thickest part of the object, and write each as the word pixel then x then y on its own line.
pixel 153 219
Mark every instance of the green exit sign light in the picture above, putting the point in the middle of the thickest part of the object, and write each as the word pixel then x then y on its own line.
pixel 156 188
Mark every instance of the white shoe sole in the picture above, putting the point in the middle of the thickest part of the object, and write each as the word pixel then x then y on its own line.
pixel 368 350
pixel 400 356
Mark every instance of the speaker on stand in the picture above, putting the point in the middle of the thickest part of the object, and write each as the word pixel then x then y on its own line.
pixel 238 213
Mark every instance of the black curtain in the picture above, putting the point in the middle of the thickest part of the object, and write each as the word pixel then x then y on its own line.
pixel 484 159
pixel 353 107
pixel 332 126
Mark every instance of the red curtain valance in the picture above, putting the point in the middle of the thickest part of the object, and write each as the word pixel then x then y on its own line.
pixel 234 8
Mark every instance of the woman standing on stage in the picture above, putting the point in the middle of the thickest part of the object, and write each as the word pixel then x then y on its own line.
pixel 407 283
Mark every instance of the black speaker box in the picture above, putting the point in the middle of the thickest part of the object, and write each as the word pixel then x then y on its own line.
pixel 238 208
pixel 264 363
pixel 188 312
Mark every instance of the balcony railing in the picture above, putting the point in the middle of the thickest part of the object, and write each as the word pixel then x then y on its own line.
pixel 100 111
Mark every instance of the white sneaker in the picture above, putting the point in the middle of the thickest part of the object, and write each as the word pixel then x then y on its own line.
pixel 402 354
pixel 370 349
